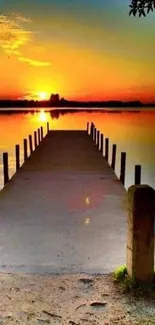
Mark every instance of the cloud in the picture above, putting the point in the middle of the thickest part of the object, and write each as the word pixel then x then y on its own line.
pixel 20 18
pixel 38 49
pixel 13 33
pixel 35 63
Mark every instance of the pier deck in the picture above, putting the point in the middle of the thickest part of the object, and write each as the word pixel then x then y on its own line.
pixel 63 211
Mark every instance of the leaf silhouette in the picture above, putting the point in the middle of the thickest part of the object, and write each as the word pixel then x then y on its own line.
pixel 142 7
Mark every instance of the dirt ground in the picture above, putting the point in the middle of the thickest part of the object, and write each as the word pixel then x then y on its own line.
pixel 70 300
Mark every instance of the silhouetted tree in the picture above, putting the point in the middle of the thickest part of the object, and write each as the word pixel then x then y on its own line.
pixel 141 7
pixel 55 98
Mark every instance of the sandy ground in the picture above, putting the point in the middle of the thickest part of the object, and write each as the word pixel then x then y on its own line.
pixel 70 300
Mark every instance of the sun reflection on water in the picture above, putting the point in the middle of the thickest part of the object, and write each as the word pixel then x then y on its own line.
pixel 42 116
pixel 87 201
pixel 87 221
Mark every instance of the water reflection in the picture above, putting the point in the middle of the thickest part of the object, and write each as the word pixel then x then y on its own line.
pixel 133 133
pixel 43 116
pixel 87 221
pixel 87 201
pixel 13 129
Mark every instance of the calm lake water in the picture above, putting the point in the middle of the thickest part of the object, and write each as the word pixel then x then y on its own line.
pixel 132 132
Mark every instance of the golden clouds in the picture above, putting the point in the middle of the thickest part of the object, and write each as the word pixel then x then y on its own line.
pixel 14 35
pixel 34 62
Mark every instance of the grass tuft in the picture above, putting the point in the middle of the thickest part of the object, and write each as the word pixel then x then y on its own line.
pixel 120 273
pixel 120 276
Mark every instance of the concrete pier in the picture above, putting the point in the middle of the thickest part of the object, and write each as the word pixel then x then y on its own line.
pixel 63 211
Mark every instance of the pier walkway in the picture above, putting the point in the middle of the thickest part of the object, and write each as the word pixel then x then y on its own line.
pixel 63 211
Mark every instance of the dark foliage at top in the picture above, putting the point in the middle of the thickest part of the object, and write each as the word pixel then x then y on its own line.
pixel 141 7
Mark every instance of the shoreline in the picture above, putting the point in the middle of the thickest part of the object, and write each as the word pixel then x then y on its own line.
pixel 71 110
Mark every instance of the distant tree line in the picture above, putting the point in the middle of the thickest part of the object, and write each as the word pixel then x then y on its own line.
pixel 67 103
pixel 56 101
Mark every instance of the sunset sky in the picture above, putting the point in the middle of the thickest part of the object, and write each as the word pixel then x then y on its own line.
pixel 81 49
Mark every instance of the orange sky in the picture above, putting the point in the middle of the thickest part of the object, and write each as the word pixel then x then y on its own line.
pixel 80 49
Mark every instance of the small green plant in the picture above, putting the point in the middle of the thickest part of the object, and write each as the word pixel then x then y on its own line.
pixel 120 275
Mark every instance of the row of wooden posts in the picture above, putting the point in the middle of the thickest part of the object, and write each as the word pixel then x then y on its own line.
pixel 103 145
pixel 38 135
pixel 141 217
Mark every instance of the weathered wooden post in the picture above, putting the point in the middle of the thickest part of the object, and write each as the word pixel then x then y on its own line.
pixel 92 130
pixel 94 133
pixel 113 163
pixel 137 174
pixel 101 142
pixel 17 154
pixel 140 237
pixel 30 144
pixel 123 166
pixel 88 127
pixel 107 148
pixel 48 127
pixel 25 150
pixel 5 167
pixel 35 139
pixel 39 136
pixel 98 139
pixel 96 136
pixel 42 133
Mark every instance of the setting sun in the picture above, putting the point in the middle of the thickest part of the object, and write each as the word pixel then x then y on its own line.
pixel 43 96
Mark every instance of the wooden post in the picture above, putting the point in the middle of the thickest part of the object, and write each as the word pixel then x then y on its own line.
pixel 88 127
pixel 94 133
pixel 140 236
pixel 5 167
pixel 113 163
pixel 42 133
pixel 92 130
pixel 107 148
pixel 35 139
pixel 137 175
pixel 38 136
pixel 102 141
pixel 17 153
pixel 25 150
pixel 98 139
pixel 48 127
pixel 30 144
pixel 123 165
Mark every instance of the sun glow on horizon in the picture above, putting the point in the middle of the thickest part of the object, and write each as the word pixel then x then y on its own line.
pixel 43 95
